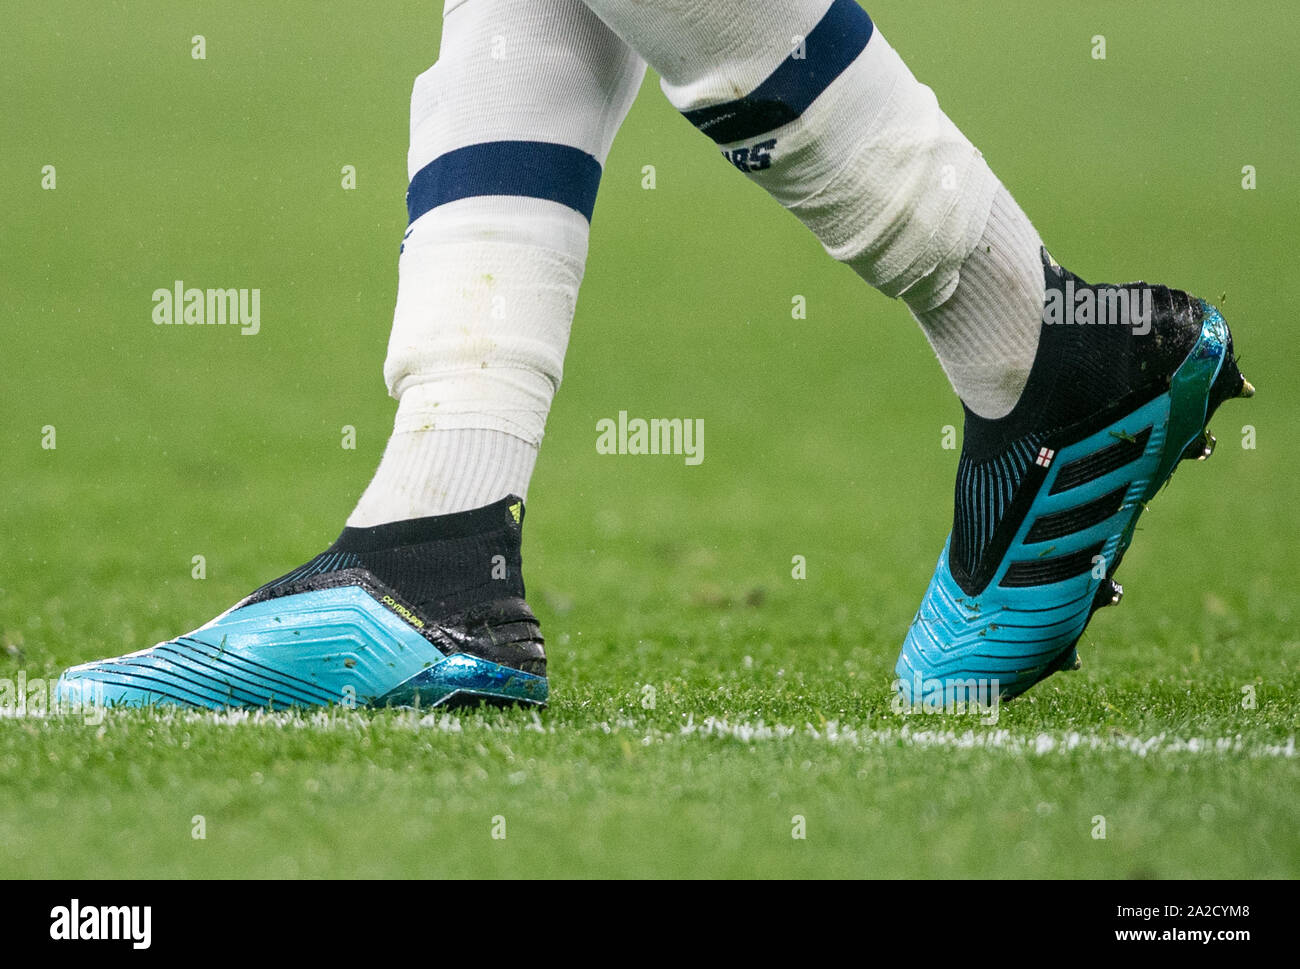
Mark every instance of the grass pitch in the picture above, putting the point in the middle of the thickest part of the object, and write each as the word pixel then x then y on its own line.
pixel 704 700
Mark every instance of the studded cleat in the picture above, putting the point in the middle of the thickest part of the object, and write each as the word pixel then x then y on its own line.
pixel 1047 497
pixel 427 612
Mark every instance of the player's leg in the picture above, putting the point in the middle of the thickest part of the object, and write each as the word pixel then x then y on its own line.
pixel 420 600
pixel 509 131
pixel 809 100
pixel 1069 429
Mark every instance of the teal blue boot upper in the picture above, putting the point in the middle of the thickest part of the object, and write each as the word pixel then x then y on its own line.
pixel 419 613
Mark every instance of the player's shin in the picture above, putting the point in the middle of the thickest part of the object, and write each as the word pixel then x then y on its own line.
pixel 509 133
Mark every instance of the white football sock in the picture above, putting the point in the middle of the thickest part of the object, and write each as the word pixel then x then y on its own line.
pixel 436 472
pixel 509 131
pixel 809 100
pixel 986 333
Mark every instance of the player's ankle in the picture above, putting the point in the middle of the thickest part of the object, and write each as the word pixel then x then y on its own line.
pixel 1099 346
pixel 435 566
pixel 986 332
pixel 437 472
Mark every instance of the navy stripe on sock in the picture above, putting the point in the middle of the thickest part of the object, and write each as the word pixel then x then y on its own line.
pixel 830 47
pixel 537 169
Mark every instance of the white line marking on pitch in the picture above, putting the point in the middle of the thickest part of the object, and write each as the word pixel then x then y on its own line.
pixel 1041 744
